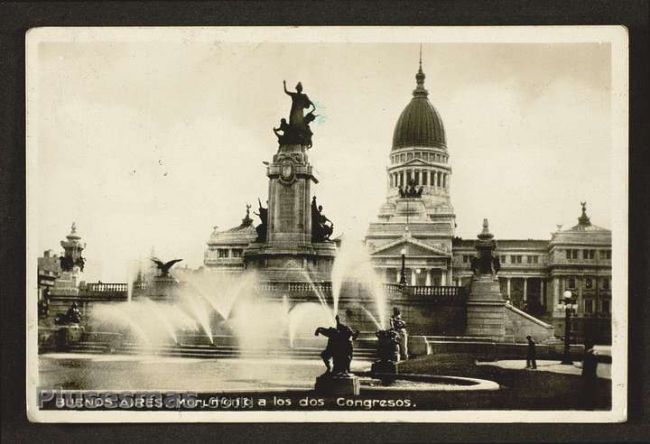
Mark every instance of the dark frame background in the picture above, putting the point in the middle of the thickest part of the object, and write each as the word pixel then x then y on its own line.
pixel 16 18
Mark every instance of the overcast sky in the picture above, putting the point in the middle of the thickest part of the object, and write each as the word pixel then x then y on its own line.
pixel 150 144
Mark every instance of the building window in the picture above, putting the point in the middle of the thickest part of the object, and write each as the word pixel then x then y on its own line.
pixel 589 306
pixel 605 306
pixel 425 177
pixel 605 254
pixel 515 259
pixel 589 283
pixel 531 259
pixel 237 252
pixel 503 259
pixel 418 155
pixel 402 158
pixel 417 177
pixel 571 254
pixel 466 258
pixel 588 254
pixel 571 283
pixel 605 284
pixel 409 156
pixel 222 252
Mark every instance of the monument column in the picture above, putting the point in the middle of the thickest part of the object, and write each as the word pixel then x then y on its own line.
pixel 525 289
pixel 486 314
pixel 508 287
pixel 293 230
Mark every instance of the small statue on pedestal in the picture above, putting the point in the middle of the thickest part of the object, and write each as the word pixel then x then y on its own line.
pixel 164 267
pixel 264 216
pixel 321 227
pixel 411 190
pixel 485 263
pixel 339 347
pixel 399 325
pixel 72 316
pixel 388 345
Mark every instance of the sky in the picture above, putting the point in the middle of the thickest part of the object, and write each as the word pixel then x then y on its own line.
pixel 149 144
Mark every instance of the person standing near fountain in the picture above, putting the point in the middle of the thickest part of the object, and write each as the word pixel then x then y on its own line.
pixel 399 325
pixel 531 362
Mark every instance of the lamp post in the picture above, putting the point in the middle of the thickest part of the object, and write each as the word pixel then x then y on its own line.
pixel 402 273
pixel 568 304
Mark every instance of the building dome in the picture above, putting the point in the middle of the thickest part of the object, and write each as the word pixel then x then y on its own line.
pixel 419 125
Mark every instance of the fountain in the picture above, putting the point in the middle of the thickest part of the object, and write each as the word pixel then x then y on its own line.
pixel 294 278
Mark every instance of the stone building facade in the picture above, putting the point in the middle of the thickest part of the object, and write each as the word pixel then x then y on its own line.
pixel 534 272
pixel 416 226
pixel 225 250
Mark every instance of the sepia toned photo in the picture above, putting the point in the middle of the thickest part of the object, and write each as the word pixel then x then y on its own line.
pixel 317 224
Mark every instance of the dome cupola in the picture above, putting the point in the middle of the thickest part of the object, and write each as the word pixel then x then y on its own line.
pixel 419 125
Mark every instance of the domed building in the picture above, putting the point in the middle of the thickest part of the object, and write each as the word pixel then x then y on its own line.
pixel 412 243
pixel 417 219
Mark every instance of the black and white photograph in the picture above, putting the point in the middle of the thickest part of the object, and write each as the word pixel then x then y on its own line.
pixel 327 224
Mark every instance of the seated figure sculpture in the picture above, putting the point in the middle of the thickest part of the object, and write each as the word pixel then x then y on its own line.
pixel 321 227
pixel 411 190
pixel 388 345
pixel 261 228
pixel 72 316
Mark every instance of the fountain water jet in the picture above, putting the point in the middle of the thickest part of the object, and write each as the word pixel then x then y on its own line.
pixel 353 264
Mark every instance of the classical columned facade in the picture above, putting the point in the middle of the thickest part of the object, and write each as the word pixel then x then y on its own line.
pixel 416 223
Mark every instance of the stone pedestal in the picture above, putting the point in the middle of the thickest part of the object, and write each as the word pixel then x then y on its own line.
pixel 419 346
pixel 289 254
pixel 486 315
pixel 163 288
pixel 67 335
pixel 338 385
pixel 384 368
pixel 290 176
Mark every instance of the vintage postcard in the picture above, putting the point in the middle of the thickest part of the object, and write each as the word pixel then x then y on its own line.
pixel 327 224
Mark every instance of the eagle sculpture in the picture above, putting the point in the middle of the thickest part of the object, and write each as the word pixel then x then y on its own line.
pixel 164 267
